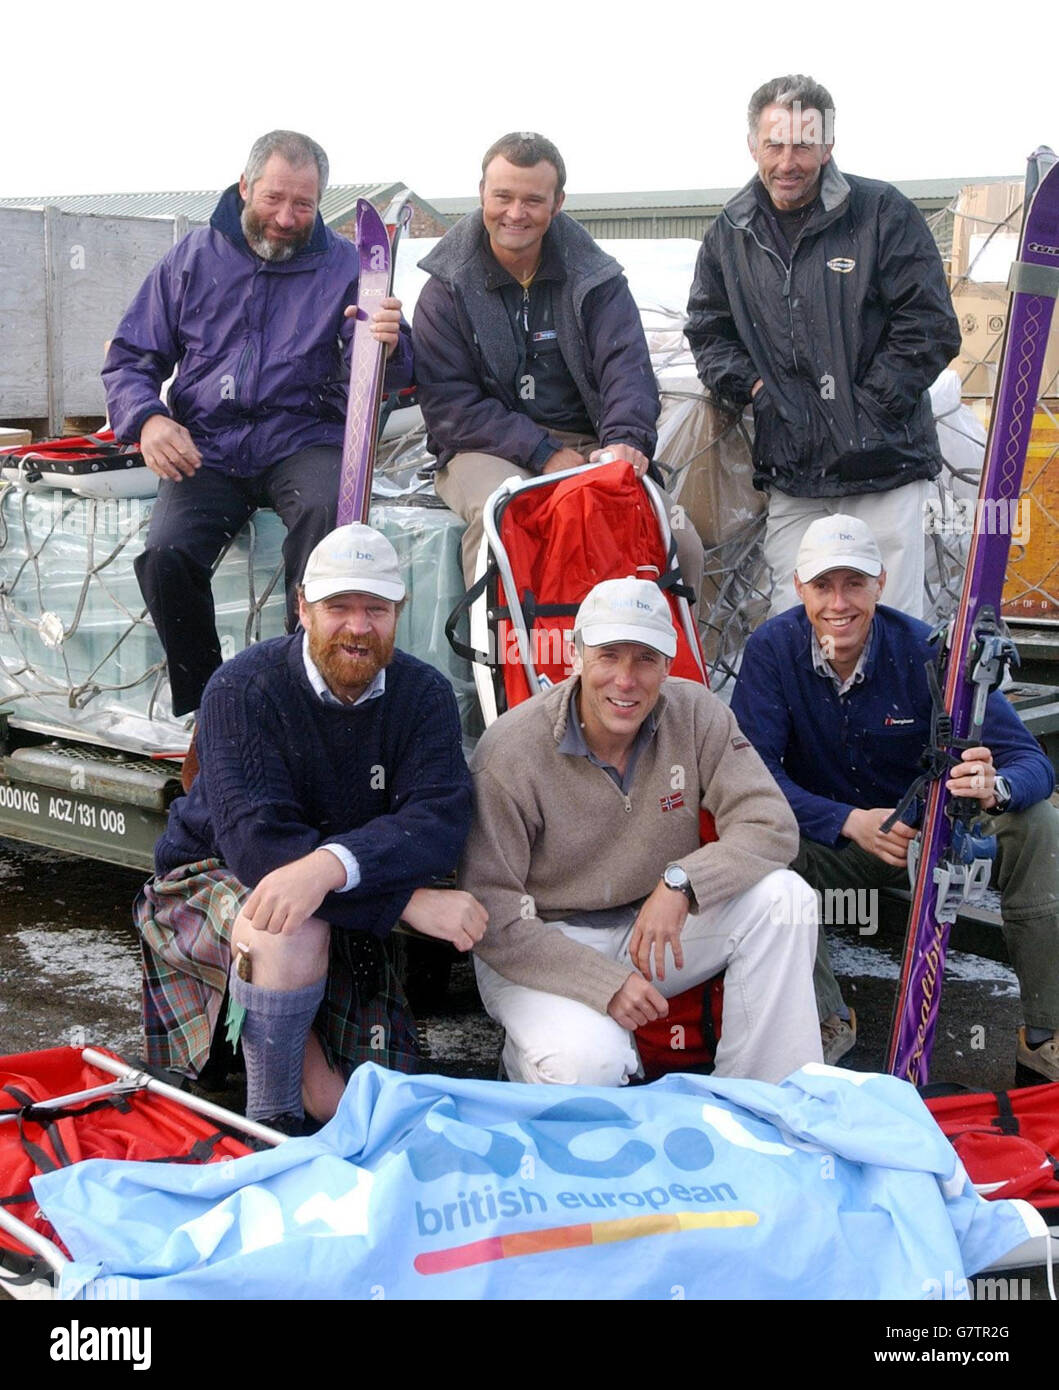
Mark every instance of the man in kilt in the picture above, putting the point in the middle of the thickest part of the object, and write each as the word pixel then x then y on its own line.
pixel 332 793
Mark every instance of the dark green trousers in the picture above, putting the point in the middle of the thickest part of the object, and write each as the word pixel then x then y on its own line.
pixel 1026 872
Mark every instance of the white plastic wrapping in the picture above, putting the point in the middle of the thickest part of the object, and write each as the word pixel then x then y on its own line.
pixel 79 655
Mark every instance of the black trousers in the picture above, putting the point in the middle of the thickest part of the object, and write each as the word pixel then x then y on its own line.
pixel 192 523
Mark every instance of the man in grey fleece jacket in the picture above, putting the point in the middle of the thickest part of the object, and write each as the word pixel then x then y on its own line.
pixel 602 902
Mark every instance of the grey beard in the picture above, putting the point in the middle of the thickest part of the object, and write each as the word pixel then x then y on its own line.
pixel 260 244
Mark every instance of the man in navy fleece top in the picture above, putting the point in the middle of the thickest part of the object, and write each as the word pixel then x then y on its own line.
pixel 333 791
pixel 834 697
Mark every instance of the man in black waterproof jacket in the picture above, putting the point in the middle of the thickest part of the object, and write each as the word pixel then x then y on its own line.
pixel 821 298
pixel 530 353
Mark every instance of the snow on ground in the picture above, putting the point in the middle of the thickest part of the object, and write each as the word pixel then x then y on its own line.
pixel 854 960
pixel 100 959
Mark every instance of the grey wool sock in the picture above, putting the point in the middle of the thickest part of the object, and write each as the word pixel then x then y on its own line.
pixel 274 1035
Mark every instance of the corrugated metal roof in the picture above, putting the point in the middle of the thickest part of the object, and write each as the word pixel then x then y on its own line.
pixel 699 198
pixel 337 206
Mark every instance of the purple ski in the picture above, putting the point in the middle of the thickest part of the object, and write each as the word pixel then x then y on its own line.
pixel 378 255
pixel 954 853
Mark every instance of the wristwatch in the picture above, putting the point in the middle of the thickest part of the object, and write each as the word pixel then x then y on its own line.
pixel 1002 792
pixel 674 876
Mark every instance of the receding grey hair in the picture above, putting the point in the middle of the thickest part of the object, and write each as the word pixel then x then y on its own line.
pixel 295 148
pixel 785 91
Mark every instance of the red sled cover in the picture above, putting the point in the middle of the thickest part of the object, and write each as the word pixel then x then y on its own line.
pixel 1007 1140
pixel 127 1125
pixel 558 538
pixel 560 542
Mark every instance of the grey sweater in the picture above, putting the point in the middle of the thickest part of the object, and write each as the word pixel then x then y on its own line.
pixel 553 834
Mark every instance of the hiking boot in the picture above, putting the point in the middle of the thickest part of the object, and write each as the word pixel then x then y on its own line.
pixel 1043 1060
pixel 293 1126
pixel 837 1037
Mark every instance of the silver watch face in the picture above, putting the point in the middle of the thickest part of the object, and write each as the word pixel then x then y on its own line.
pixel 676 877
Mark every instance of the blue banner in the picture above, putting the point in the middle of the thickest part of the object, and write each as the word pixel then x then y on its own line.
pixel 833 1184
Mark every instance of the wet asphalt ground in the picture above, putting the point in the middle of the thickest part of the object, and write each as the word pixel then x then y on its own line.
pixel 69 973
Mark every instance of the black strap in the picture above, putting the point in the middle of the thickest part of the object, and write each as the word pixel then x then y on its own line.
pixel 532 610
pixel 673 584
pixel 709 1032
pixel 463 605
pixel 40 1113
pixel 32 1111
pixel 936 758
pixel 1005 1120
pixel 200 1152
pixel 37 1156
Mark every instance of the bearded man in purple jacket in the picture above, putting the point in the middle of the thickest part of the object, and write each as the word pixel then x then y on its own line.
pixel 255 311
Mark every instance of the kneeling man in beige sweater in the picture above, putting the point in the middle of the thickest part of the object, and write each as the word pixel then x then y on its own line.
pixel 602 902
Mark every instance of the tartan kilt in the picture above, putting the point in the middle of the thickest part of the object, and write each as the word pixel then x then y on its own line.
pixel 184 920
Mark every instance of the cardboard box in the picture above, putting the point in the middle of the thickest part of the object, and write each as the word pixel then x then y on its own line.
pixel 14 439
pixel 988 218
pixel 982 311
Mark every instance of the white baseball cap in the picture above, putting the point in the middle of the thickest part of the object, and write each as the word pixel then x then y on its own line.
pixel 353 559
pixel 626 610
pixel 837 543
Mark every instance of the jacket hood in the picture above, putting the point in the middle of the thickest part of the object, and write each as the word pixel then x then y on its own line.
pixel 226 219
pixel 580 255
pixel 834 195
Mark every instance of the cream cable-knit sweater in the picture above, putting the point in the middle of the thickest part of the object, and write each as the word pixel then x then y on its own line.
pixel 553 834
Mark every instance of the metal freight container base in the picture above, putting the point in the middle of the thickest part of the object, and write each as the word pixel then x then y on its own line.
pixel 96 802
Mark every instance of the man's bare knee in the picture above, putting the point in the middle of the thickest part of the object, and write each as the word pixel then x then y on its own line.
pixel 284 960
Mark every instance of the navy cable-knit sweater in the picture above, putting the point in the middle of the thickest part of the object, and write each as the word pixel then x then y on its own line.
pixel 283 772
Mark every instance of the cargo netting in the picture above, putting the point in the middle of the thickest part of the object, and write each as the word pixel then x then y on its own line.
pixel 79 654
pixel 978 233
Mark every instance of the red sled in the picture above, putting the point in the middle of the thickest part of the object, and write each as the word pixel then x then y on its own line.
pixel 1007 1140
pixel 546 542
pixel 71 458
pixel 66 1104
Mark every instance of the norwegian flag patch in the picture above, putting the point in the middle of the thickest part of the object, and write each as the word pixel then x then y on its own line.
pixel 672 802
